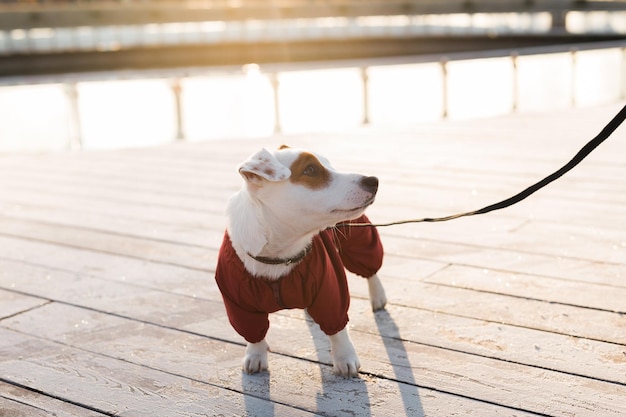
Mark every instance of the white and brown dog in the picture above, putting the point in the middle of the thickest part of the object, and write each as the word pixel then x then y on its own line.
pixel 283 249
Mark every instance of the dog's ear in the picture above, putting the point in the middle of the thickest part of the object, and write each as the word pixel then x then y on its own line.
pixel 263 166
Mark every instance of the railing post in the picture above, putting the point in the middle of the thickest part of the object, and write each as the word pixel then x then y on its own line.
pixel 623 81
pixel 177 90
pixel 75 139
pixel 366 100
pixel 515 104
pixel 443 62
pixel 559 21
pixel 573 53
pixel 273 77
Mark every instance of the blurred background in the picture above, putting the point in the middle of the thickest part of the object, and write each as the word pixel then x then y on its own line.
pixel 94 74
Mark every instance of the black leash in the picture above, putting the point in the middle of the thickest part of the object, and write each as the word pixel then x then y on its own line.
pixel 582 154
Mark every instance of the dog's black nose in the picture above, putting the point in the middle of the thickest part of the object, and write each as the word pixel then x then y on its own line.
pixel 369 184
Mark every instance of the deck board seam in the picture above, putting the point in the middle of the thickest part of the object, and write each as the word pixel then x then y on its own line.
pixel 526 298
pixel 512 324
pixel 500 249
pixel 319 362
pixel 55 397
pixel 18 313
pixel 108 252
pixel 315 362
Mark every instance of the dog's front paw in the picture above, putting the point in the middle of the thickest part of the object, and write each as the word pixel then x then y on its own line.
pixel 378 298
pixel 345 361
pixel 255 359
pixel 346 366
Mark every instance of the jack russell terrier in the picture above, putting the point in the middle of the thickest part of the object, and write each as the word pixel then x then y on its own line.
pixel 283 249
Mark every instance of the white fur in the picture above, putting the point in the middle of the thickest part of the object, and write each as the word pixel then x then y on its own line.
pixel 378 298
pixel 255 359
pixel 273 217
pixel 345 361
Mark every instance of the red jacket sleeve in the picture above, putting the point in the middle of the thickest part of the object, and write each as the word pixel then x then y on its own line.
pixel 360 248
pixel 330 306
pixel 252 324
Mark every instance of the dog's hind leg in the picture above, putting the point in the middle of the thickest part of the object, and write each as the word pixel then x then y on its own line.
pixel 255 359
pixel 378 298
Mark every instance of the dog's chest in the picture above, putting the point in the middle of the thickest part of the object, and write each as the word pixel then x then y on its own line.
pixel 319 274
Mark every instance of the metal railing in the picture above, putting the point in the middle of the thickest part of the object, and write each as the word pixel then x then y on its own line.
pixel 54 14
pixel 451 76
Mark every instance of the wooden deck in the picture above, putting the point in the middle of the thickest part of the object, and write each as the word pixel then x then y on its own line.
pixel 108 304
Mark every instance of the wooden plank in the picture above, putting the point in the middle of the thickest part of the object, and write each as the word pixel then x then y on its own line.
pixel 127 245
pixel 550 317
pixel 117 387
pixel 583 244
pixel 201 200
pixel 577 191
pixel 20 402
pixel 599 297
pixel 204 257
pixel 139 295
pixel 554 205
pixel 82 178
pixel 448 371
pixel 557 318
pixel 542 349
pixel 120 298
pixel 12 303
pixel 456 174
pixel 185 231
pixel 577 269
pixel 505 259
pixel 48 258
pixel 20 202
pixel 175 163
pixel 294 381
pixel 529 243
pixel 603 361
pixel 138 279
pixel 452 373
pixel 591 241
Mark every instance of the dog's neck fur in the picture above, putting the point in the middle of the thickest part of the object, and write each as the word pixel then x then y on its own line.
pixel 259 232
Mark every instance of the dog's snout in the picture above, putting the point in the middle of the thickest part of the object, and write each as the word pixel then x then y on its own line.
pixel 369 184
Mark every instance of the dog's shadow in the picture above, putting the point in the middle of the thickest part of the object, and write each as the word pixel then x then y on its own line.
pixel 351 395
pixel 338 393
pixel 399 360
pixel 341 396
pixel 257 399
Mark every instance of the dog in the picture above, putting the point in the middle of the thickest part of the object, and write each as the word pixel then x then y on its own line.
pixel 283 248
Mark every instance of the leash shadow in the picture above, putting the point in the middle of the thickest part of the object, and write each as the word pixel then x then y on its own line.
pixel 399 360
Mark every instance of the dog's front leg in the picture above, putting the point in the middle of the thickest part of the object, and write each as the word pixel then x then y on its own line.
pixel 345 361
pixel 378 298
pixel 255 359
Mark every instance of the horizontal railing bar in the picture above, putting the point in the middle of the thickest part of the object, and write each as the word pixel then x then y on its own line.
pixel 50 15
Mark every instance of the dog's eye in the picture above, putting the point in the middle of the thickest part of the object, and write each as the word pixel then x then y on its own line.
pixel 310 170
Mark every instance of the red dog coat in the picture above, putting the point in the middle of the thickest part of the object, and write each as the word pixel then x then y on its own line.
pixel 318 283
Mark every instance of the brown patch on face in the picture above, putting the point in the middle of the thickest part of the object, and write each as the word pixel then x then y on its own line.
pixel 309 171
pixel 283 147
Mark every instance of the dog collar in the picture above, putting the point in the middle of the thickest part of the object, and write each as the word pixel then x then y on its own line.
pixel 282 261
